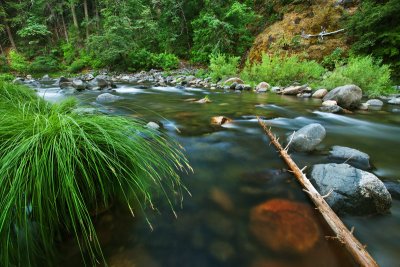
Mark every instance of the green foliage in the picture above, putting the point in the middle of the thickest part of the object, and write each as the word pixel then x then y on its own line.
pixel 44 64
pixel 6 77
pixel 18 62
pixel 69 52
pixel 222 29
pixel 335 59
pixel 282 71
pixel 145 60
pixel 223 66
pixel 166 61
pixel 57 168
pixel 372 77
pixel 375 30
pixel 4 67
pixel 77 65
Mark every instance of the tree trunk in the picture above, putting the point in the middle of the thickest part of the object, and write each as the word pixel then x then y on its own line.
pixel 10 36
pixel 73 12
pixel 343 235
pixel 85 9
pixel 96 14
pixel 64 27
pixel 1 49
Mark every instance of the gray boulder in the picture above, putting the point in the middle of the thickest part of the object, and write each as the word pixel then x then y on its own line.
pixel 375 102
pixel 78 84
pixel 350 190
pixel 394 101
pixel 307 138
pixel 107 98
pixel 348 96
pixel 354 157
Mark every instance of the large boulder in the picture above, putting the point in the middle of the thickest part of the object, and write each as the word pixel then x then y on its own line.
pixel 351 156
pixel 351 190
pixel 284 226
pixel 307 138
pixel 107 98
pixel 348 96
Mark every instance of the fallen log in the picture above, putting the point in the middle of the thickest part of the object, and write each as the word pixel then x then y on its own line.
pixel 343 235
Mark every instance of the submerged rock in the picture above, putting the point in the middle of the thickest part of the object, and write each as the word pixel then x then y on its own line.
pixel 284 226
pixel 353 191
pixel 222 199
pixel 307 138
pixel 348 96
pixel 351 156
pixel 107 98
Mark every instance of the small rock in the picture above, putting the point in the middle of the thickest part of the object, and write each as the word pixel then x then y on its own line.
pixel 262 87
pixel 329 103
pixel 355 191
pixel 394 101
pixel 220 120
pixel 29 77
pixel 307 138
pixel 293 90
pixel 239 87
pixel 275 89
pixel 78 84
pixel 332 109
pixel 222 199
pixel 348 96
pixel 247 87
pixel 203 100
pixel 351 156
pixel 284 226
pixel 363 106
pixel 320 93
pixel 375 102
pixel 107 98
pixel 234 80
pixel 153 125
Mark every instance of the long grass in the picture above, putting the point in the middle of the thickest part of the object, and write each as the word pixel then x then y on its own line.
pixel 58 167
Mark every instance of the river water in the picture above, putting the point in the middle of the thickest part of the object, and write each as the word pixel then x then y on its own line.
pixel 235 169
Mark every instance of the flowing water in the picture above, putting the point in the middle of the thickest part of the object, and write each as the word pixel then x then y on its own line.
pixel 235 169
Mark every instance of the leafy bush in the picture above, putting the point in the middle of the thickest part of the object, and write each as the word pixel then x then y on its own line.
pixel 223 66
pixel 44 64
pixel 78 65
pixel 372 77
pixel 6 77
pixel 18 62
pixel 58 167
pixel 282 71
pixel 335 59
pixel 166 61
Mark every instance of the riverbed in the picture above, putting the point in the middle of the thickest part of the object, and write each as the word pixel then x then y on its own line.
pixel 235 169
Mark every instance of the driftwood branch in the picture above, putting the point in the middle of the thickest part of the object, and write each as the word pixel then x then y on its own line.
pixel 320 35
pixel 343 235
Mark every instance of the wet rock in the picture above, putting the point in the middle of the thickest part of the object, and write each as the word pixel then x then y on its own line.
pixel 153 125
pixel 284 226
pixel 307 138
pixel 329 103
pixel 107 98
pixel 293 90
pixel 247 87
pixel 222 251
pixel 304 95
pixel 64 83
pixel 29 77
pixel 375 102
pixel 87 77
pixel 78 84
pixel 222 199
pixel 219 224
pixel 394 101
pixel 351 156
pixel 220 120
pixel 363 106
pixel 233 80
pixel 354 191
pixel 320 93
pixel 46 78
pixel 275 89
pixel 262 87
pixel 393 188
pixel 348 96
pixel 239 87
pixel 332 109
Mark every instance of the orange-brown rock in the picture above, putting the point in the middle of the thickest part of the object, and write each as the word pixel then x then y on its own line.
pixel 220 120
pixel 284 226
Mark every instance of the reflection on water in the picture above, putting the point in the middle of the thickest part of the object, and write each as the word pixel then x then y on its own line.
pixel 235 171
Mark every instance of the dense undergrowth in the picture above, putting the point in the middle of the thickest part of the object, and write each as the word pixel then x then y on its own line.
pixel 369 74
pixel 57 168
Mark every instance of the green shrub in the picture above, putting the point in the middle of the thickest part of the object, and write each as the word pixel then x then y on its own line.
pixel 44 64
pixel 166 61
pixel 140 60
pixel 6 77
pixel 282 71
pixel 18 62
pixel 335 59
pixel 223 66
pixel 372 77
pixel 77 65
pixel 58 167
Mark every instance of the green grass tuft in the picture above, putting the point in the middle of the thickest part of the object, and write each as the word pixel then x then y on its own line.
pixel 58 167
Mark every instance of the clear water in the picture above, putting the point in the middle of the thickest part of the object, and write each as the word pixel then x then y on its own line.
pixel 237 162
